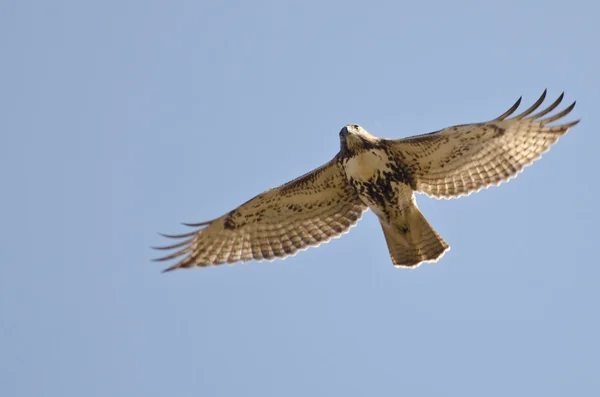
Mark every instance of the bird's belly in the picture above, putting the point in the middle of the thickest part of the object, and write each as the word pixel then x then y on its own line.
pixel 379 184
pixel 385 198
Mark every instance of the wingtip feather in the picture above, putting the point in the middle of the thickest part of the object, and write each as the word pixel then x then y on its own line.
pixel 533 107
pixel 197 224
pixel 511 110
pixel 558 115
pixel 550 108
pixel 178 235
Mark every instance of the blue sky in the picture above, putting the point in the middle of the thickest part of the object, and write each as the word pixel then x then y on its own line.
pixel 123 118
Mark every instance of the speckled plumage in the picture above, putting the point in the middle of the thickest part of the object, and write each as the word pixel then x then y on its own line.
pixel 380 174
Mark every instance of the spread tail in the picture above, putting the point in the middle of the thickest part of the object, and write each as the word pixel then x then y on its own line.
pixel 411 239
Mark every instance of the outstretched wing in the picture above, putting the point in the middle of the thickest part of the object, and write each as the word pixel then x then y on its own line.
pixel 277 223
pixel 459 160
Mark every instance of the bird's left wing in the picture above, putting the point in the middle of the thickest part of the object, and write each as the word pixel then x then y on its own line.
pixel 305 212
pixel 462 159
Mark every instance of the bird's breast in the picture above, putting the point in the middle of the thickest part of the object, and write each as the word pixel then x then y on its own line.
pixel 363 166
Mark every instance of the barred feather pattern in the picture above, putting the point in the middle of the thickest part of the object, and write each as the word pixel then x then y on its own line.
pixel 459 160
pixel 305 212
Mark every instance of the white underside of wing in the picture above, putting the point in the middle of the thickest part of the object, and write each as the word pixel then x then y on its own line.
pixel 498 183
pixel 299 249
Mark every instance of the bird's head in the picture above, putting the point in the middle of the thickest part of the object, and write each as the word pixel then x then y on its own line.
pixel 354 138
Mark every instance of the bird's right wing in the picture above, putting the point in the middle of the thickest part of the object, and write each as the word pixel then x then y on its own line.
pixel 305 212
pixel 465 158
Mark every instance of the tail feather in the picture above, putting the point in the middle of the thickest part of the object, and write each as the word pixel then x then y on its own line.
pixel 411 240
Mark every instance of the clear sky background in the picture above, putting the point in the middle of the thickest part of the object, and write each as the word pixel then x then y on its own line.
pixel 121 119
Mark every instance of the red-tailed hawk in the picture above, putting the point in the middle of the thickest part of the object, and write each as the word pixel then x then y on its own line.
pixel 380 174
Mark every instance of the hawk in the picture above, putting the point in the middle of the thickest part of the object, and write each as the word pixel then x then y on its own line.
pixel 380 174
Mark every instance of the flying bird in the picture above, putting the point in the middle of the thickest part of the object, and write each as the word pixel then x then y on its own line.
pixel 380 174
